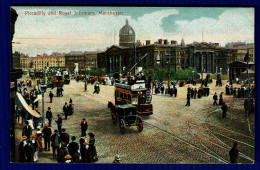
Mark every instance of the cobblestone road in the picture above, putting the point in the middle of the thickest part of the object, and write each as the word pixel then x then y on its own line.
pixel 173 134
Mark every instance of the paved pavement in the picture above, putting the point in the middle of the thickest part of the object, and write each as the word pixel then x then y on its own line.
pixel 173 134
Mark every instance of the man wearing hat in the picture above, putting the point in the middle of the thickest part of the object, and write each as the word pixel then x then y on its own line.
pixel 51 96
pixel 29 151
pixel 64 137
pixel 27 131
pixel 66 110
pixel 49 115
pixel 46 136
pixel 55 143
pixel 21 149
pixel 73 147
pixel 84 127
pixel 117 159
pixel 59 123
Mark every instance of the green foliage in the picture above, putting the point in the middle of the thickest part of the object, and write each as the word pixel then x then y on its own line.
pixel 93 72
pixel 163 73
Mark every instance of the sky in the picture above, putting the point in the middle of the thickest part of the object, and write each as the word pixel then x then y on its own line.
pixel 38 34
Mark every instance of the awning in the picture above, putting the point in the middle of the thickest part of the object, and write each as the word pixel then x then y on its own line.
pixel 26 106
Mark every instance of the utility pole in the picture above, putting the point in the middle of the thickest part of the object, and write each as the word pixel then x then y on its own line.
pixel 85 71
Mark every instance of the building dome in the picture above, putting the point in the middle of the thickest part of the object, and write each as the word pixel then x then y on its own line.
pixel 126 36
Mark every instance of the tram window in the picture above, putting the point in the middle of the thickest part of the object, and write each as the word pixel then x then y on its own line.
pixel 134 100
pixel 121 95
pixel 129 97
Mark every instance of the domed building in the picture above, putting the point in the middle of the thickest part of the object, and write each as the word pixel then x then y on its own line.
pixel 126 36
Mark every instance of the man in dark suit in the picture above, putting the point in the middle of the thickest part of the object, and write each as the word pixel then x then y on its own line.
pixel 66 110
pixel 59 123
pixel 49 115
pixel 46 136
pixel 64 137
pixel 73 147
pixel 55 142
pixel 84 127
pixel 27 130
pixel 29 152
pixel 51 96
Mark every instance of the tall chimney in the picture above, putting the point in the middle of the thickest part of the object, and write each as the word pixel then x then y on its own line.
pixel 147 42
pixel 165 41
pixel 159 41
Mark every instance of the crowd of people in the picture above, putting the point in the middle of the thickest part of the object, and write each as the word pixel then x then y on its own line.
pixel 242 92
pixel 63 150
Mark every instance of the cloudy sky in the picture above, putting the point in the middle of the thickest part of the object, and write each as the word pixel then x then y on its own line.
pixel 36 34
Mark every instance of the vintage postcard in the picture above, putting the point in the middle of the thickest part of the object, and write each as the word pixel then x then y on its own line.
pixel 148 85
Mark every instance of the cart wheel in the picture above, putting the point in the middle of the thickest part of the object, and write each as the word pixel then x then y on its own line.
pixel 122 126
pixel 114 119
pixel 140 125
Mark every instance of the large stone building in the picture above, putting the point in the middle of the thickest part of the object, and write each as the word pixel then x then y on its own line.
pixel 87 59
pixel 205 57
pixel 55 60
pixel 126 36
pixel 22 61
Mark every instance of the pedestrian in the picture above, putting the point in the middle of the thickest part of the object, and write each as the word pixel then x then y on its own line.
pixel 51 96
pixel 162 89
pixel 64 137
pixel 29 152
pixel 35 148
pixel 46 136
pixel 55 143
pixel 233 153
pixel 175 91
pixel 188 99
pixel 21 149
pixel 117 159
pixel 207 89
pixel 224 110
pixel 221 98
pixel 58 91
pixel 73 148
pixel 83 147
pixel 61 90
pixel 92 148
pixel 62 152
pixel 195 93
pixel 235 92
pixel 59 123
pixel 84 127
pixel 39 138
pixel 27 130
pixel 192 92
pixel 70 109
pixel 66 110
pixel 215 98
pixel 17 114
pixel 227 90
pixel 49 115
pixel 70 101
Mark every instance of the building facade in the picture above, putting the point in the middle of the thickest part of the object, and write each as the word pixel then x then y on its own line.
pixel 55 60
pixel 87 59
pixel 205 57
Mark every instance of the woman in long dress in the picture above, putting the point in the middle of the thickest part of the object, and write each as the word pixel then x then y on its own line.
pixel 92 148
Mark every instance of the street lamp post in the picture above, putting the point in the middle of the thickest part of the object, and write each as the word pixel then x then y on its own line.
pixel 246 59
pixel 85 71
pixel 43 89
pixel 169 74
pixel 192 76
